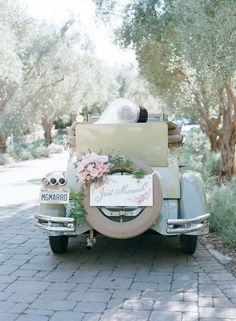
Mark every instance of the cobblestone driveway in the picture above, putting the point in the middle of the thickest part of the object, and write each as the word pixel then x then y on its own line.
pixel 145 278
pixel 141 279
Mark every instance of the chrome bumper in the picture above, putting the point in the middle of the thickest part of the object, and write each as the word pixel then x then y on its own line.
pixel 185 226
pixel 55 224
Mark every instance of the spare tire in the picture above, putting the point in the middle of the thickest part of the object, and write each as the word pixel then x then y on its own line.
pixel 131 228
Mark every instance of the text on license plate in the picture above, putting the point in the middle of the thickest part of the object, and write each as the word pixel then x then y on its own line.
pixel 54 197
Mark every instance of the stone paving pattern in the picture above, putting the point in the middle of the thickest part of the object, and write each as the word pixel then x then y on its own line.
pixel 142 279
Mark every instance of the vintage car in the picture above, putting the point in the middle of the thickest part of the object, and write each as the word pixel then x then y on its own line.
pixel 167 199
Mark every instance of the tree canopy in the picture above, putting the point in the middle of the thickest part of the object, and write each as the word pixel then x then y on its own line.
pixel 187 50
pixel 49 71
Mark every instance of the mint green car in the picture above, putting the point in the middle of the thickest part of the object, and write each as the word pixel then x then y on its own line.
pixel 176 196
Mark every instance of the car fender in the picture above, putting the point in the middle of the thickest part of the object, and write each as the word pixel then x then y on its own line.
pixel 193 200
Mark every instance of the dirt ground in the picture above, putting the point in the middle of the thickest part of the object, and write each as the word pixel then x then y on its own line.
pixel 223 248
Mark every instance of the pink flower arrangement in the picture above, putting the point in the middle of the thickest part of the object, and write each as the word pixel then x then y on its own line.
pixel 92 167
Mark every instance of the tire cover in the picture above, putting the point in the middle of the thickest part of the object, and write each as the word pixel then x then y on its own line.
pixel 132 228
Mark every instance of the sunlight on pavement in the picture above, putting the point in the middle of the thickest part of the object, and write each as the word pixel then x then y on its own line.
pixel 21 182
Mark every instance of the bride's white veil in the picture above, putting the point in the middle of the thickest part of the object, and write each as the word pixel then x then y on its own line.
pixel 120 111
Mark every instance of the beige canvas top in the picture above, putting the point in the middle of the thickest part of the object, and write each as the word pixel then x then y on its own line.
pixel 145 141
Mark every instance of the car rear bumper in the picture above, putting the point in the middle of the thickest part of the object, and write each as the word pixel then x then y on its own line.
pixel 196 225
pixel 55 224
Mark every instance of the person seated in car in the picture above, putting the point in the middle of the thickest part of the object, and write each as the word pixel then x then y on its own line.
pixel 120 111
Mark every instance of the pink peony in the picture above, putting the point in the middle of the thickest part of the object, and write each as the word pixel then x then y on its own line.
pixel 104 167
pixel 94 172
pixel 83 175
pixel 103 158
pixel 80 167
pixel 98 163
pixel 90 167
pixel 100 173
pixel 85 162
pixel 92 157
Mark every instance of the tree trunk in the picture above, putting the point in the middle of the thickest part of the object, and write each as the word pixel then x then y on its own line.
pixel 221 132
pixel 47 127
pixel 3 142
pixel 222 127
pixel 212 136
pixel 228 134
pixel 227 151
pixel 214 143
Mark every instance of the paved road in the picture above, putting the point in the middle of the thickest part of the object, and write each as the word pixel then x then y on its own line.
pixel 142 279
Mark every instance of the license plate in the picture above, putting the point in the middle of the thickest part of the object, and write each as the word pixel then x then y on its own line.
pixel 54 197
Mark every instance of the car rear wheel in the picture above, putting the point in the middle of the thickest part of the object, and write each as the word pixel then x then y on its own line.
pixel 188 243
pixel 58 244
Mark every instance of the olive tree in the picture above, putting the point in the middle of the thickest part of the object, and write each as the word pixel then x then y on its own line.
pixel 186 49
pixel 28 72
pixel 135 87
pixel 11 66
pixel 54 73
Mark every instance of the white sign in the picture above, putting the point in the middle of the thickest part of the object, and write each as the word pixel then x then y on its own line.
pixel 122 190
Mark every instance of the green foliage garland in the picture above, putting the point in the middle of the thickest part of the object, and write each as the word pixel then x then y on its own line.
pixel 125 164
pixel 77 210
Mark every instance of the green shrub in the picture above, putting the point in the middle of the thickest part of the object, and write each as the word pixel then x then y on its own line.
pixel 20 151
pixel 4 158
pixel 195 142
pixel 24 151
pixel 39 152
pixel 55 148
pixel 211 164
pixel 196 154
pixel 222 206
pixel 60 138
pixel 62 123
pixel 24 154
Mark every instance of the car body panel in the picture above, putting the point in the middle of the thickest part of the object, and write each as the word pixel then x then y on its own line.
pixel 193 199
pixel 147 142
pixel 170 176
pixel 183 209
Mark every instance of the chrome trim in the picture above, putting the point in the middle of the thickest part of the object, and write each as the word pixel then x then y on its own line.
pixel 62 181
pixel 54 219
pixel 53 181
pixel 116 212
pixel 46 223
pixel 54 229
pixel 196 219
pixel 194 224
pixel 45 181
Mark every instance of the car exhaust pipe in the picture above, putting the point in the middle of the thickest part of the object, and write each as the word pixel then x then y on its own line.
pixel 90 243
pixel 62 181
pixel 53 181
pixel 91 240
pixel 45 181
